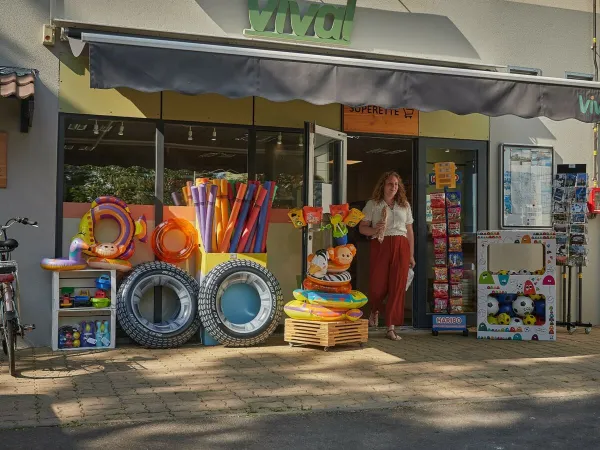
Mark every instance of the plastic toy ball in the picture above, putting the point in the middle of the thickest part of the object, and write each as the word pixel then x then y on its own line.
pixel 540 308
pixel 492 320
pixel 76 335
pixel 492 306
pixel 529 320
pixel 523 306
pixel 515 322
pixel 506 309
pixel 503 319
pixel 76 343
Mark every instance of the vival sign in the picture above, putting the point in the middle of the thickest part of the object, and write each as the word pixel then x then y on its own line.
pixel 319 22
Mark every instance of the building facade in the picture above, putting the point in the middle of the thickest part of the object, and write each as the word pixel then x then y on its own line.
pixel 79 135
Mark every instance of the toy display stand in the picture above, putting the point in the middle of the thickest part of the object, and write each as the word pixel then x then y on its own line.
pixel 82 279
pixel 447 321
pixel 325 334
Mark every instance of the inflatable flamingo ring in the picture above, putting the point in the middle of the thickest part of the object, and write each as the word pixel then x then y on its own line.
pixel 74 262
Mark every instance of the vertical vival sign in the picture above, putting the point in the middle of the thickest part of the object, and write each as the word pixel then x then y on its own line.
pixel 318 22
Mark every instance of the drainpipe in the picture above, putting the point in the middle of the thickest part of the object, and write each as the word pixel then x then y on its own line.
pixel 595 54
pixel 53 11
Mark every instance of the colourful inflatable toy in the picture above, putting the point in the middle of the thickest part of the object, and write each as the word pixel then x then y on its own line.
pixel 311 286
pixel 117 210
pixel 120 265
pixel 318 264
pixel 74 262
pixel 353 300
pixel 297 309
pixel 158 240
pixel 332 279
pixel 340 258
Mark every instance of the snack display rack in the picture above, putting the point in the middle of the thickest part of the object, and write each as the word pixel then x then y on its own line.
pixel 448 267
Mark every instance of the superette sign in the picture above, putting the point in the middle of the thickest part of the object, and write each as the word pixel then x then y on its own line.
pixel 321 23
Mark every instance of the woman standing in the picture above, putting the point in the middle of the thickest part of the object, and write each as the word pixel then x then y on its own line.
pixel 388 221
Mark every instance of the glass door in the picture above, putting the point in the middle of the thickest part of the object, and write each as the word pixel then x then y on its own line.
pixel 471 159
pixel 325 180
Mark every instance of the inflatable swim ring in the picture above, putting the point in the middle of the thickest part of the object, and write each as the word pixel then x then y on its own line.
pixel 332 279
pixel 158 240
pixel 354 299
pixel 318 263
pixel 74 262
pixel 311 286
pixel 340 258
pixel 297 309
pixel 120 265
pixel 117 210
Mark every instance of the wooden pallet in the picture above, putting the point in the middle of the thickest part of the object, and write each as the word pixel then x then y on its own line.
pixel 325 334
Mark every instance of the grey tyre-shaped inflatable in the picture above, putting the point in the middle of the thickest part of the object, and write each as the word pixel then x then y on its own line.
pixel 178 324
pixel 258 309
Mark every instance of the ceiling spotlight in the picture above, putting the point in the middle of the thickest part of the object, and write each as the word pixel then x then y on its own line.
pixel 96 129
pixel 214 135
pixel 447 150
pixel 121 129
pixel 301 141
pixel 279 139
pixel 190 135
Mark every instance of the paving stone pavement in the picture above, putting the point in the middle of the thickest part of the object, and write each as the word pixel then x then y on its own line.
pixel 132 383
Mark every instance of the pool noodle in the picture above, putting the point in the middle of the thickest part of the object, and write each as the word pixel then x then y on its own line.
pixel 185 197
pixel 252 241
pixel 210 213
pixel 196 200
pixel 235 210
pixel 256 248
pixel 188 192
pixel 241 219
pixel 230 196
pixel 202 207
pixel 266 230
pixel 246 234
pixel 218 215
pixel 224 208
pixel 175 198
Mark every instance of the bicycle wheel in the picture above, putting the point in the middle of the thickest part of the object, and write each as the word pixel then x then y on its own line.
pixel 10 335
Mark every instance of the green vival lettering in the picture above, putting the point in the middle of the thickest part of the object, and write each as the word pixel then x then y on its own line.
pixel 583 108
pixel 259 19
pixel 300 24
pixel 335 32
pixel 281 15
pixel 596 107
pixel 349 20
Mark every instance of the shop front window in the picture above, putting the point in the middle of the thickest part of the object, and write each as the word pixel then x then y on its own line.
pixel 280 158
pixel 109 158
pixel 193 152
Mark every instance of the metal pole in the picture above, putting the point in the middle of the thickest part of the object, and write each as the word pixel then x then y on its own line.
pixel 595 58
pixel 580 294
pixel 564 293
pixel 569 301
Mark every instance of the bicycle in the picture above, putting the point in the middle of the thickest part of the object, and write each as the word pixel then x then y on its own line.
pixel 10 325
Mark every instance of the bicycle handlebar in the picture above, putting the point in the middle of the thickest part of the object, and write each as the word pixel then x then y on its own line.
pixel 21 220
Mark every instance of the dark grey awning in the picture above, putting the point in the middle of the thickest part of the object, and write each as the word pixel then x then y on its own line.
pixel 153 65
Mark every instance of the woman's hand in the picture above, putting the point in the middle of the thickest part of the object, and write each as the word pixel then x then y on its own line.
pixel 379 226
pixel 412 264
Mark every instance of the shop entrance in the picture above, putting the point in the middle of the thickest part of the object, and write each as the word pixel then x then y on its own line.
pixel 368 158
pixel 325 175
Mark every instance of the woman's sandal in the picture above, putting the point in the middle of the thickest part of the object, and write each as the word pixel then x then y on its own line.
pixel 374 320
pixel 392 336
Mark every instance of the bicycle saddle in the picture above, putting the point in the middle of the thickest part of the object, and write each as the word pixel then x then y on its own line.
pixel 8 245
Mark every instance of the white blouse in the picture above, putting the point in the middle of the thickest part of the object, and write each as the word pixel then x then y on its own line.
pixel 397 217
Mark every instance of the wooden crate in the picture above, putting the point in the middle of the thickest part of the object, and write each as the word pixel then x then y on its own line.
pixel 325 334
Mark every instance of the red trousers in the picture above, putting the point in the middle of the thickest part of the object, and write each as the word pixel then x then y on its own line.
pixel 388 275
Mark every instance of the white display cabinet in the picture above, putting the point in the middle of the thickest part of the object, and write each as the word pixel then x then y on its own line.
pixel 82 280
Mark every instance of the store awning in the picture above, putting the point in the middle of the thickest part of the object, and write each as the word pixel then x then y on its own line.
pixel 19 83
pixel 152 65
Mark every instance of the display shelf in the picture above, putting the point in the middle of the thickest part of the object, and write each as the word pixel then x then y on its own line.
pixel 82 279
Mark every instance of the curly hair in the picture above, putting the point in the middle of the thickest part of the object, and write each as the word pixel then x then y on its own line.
pixel 400 197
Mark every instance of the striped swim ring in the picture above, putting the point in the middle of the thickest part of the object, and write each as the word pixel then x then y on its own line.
pixel 174 256
pixel 332 279
pixel 112 208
